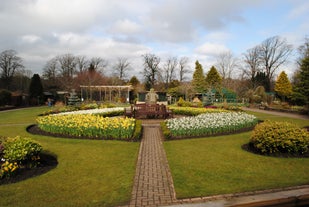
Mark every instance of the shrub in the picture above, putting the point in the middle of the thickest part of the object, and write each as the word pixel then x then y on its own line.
pixel 85 106
pixel 165 130
pixel 191 111
pixel 22 151
pixel 138 130
pixel 182 103
pixel 2 140
pixel 279 137
pixel 112 113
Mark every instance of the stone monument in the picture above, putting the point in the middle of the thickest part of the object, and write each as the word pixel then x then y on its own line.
pixel 151 97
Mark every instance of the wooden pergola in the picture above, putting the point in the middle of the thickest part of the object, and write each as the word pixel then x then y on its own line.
pixel 105 93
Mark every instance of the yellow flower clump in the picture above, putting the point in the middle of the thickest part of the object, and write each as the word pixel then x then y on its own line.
pixel 88 125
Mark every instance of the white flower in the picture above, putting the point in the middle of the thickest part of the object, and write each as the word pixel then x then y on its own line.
pixel 209 123
pixel 92 111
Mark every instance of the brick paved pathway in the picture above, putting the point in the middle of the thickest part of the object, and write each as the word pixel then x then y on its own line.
pixel 153 185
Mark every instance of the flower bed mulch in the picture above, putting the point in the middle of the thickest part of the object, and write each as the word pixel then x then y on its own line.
pixel 248 147
pixel 47 163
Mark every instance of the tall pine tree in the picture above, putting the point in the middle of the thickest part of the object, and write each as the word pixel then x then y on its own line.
pixel 36 88
pixel 198 81
pixel 213 79
pixel 283 86
pixel 302 86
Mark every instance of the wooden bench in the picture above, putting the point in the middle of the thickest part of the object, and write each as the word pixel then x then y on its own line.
pixel 148 111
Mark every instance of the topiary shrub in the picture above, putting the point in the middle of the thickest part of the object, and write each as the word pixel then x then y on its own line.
pixel 279 137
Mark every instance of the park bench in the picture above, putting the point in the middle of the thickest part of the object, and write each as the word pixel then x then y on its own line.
pixel 148 111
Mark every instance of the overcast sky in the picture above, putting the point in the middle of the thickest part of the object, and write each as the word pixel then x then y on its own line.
pixel 199 29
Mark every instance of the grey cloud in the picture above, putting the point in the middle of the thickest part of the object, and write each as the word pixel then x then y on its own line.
pixel 41 29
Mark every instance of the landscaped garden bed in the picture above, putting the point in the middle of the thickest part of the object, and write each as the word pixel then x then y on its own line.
pixel 89 173
pixel 21 158
pixel 208 124
pixel 218 164
pixel 200 167
pixel 89 124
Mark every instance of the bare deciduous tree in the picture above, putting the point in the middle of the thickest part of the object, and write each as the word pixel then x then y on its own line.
pixel 50 69
pixel 98 64
pixel 121 66
pixel 273 52
pixel 183 68
pixel 226 64
pixel 169 70
pixel 303 51
pixel 151 68
pixel 252 65
pixel 252 62
pixel 67 65
pixel 82 63
pixel 9 64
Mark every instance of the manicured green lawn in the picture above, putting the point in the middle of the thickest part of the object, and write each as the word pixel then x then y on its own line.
pixel 218 165
pixel 89 173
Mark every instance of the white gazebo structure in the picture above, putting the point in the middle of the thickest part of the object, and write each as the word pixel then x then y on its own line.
pixel 105 93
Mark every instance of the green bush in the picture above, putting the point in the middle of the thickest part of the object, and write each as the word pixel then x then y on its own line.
pixel 165 130
pixel 181 102
pixel 192 111
pixel 279 137
pixel 85 106
pixel 112 113
pixel 137 134
pixel 22 150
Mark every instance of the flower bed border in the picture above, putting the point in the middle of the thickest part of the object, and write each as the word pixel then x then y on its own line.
pixel 34 129
pixel 173 138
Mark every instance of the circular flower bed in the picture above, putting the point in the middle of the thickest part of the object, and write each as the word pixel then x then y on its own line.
pixel 90 124
pixel 208 124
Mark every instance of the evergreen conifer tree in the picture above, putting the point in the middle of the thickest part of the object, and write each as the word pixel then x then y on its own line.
pixel 283 86
pixel 36 88
pixel 213 79
pixel 198 81
pixel 302 86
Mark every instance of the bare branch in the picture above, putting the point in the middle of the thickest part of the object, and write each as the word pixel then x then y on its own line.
pixel 151 68
pixel 9 64
pixel 183 68
pixel 121 66
pixel 273 52
pixel 169 70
